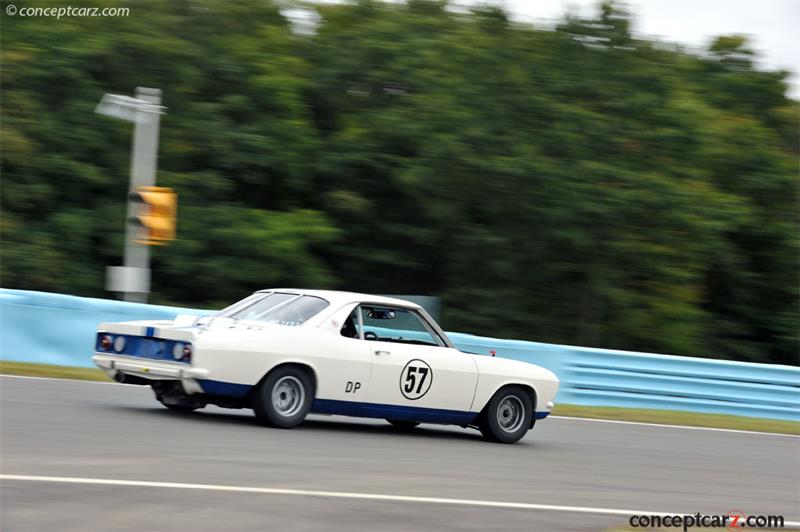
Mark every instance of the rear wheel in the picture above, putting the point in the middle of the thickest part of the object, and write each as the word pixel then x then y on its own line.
pixel 284 398
pixel 507 416
pixel 403 424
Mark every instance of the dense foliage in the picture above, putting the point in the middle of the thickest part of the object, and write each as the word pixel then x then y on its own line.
pixel 576 185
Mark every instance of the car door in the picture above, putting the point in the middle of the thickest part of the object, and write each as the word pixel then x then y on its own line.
pixel 412 367
pixel 344 361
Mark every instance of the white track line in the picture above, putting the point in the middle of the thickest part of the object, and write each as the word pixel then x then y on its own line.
pixel 550 417
pixel 688 427
pixel 342 495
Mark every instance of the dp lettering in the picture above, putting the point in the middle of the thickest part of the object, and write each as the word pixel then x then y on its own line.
pixel 352 387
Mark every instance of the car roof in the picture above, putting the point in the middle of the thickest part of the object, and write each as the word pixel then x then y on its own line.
pixel 337 297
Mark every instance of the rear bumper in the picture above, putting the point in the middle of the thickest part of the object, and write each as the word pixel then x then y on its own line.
pixel 146 368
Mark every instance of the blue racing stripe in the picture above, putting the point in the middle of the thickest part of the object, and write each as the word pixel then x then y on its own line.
pixel 411 413
pixel 225 389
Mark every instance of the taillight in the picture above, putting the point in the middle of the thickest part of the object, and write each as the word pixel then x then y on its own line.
pixel 119 344
pixel 105 342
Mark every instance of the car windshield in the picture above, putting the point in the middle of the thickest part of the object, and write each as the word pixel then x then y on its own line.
pixel 277 307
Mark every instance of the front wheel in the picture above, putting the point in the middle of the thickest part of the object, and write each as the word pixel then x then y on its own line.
pixel 284 398
pixel 507 416
pixel 403 424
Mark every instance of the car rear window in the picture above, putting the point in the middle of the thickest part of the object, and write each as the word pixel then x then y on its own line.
pixel 258 308
pixel 280 308
pixel 296 312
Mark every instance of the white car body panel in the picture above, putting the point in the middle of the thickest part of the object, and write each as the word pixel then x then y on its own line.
pixel 354 376
pixel 498 372
pixel 455 376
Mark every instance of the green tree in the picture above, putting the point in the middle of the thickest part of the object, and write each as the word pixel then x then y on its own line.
pixel 578 185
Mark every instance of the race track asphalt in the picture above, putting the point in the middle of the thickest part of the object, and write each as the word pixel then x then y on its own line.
pixel 59 428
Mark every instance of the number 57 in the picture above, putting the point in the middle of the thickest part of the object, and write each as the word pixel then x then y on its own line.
pixel 411 379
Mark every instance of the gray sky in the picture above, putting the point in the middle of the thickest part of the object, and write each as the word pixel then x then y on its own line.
pixel 772 25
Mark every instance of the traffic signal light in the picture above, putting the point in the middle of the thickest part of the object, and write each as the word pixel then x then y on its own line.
pixel 157 208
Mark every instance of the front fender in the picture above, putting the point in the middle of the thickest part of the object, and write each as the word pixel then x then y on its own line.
pixel 495 373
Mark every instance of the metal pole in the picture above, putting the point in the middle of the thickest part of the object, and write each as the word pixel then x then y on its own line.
pixel 144 156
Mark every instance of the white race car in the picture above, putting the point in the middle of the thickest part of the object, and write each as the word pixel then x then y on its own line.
pixel 285 353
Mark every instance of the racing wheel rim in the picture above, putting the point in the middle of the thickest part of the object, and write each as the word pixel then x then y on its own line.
pixel 288 396
pixel 510 414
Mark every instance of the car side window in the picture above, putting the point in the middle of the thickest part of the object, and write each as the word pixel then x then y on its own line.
pixel 390 324
pixel 350 327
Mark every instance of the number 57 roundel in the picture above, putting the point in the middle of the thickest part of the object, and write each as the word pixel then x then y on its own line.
pixel 416 379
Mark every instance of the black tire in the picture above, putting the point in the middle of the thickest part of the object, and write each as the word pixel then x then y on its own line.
pixel 293 393
pixel 402 424
pixel 508 415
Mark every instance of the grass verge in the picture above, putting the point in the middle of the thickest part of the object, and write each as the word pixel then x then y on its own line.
pixel 49 370
pixel 675 417
pixel 666 417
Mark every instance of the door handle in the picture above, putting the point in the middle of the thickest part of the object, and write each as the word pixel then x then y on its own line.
pixel 382 353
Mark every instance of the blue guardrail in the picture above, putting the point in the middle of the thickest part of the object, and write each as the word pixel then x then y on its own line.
pixel 59 329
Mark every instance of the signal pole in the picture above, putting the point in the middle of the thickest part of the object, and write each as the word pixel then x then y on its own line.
pixel 144 156
pixel 133 277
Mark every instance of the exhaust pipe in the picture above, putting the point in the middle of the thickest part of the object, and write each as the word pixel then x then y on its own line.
pixel 122 378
